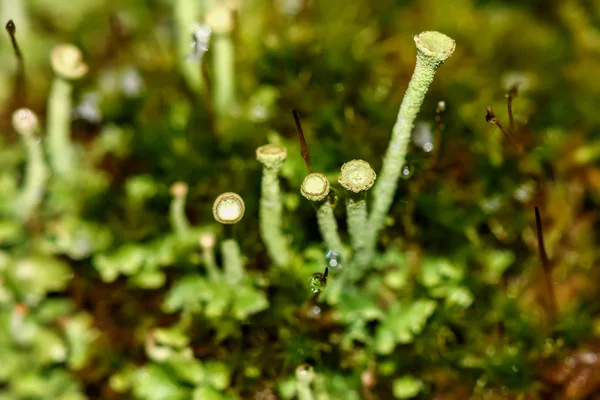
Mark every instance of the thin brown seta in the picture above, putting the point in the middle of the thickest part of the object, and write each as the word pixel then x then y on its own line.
pixel 19 94
pixel 303 145
pixel 513 91
pixel 545 264
pixel 491 117
pixel 439 129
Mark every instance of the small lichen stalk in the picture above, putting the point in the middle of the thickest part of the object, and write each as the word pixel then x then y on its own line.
pixel 357 177
pixel 433 48
pixel 207 243
pixel 272 158
pixel 185 13
pixel 25 122
pixel 316 188
pixel 229 209
pixel 305 375
pixel 67 64
pixel 220 19
pixel 177 217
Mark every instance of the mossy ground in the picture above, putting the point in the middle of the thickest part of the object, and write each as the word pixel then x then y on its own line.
pixel 99 299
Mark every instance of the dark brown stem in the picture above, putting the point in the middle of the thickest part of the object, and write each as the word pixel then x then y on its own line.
pixel 545 263
pixel 491 117
pixel 439 128
pixel 303 145
pixel 510 95
pixel 11 28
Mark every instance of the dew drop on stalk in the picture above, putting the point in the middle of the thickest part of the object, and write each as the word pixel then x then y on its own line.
pixel 305 373
pixel 423 136
pixel 333 259
pixel 407 171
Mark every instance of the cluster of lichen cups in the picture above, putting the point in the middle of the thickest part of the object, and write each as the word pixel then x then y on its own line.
pixel 356 176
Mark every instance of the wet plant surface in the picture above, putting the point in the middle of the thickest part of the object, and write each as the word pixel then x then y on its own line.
pixel 121 277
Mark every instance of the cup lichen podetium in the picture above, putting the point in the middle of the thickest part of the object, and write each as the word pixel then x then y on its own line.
pixel 67 63
pixel 228 209
pixel 272 158
pixel 357 177
pixel 178 219
pixel 316 188
pixel 26 124
pixel 433 48
pixel 220 19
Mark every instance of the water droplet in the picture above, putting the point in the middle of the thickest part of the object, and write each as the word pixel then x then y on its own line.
pixel 89 108
pixel 333 259
pixel 305 373
pixel 316 310
pixel 423 136
pixel 200 42
pixel 131 82
pixel 407 172
pixel 258 113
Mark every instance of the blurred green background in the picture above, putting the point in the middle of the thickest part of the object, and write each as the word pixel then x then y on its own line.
pixel 99 299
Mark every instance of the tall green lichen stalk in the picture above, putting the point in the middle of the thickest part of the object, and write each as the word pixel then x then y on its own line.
pixel 316 188
pixel 229 209
pixel 272 158
pixel 357 177
pixel 26 124
pixel 178 219
pixel 67 64
pixel 433 48
pixel 220 19
pixel 185 13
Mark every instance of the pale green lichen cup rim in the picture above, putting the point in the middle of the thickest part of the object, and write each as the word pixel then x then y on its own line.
pixel 315 187
pixel 270 154
pixel 25 122
pixel 178 189
pixel 435 44
pixel 229 208
pixel 357 176
pixel 67 61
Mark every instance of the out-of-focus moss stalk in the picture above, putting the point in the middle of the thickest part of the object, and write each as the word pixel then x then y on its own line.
pixel 229 209
pixel 272 158
pixel 220 19
pixel 357 177
pixel 67 64
pixel 25 122
pixel 207 244
pixel 316 188
pixel 433 48
pixel 305 374
pixel 177 217
pixel 185 15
